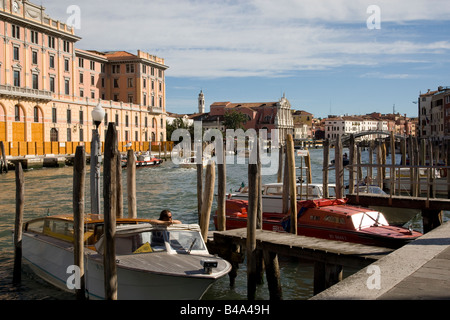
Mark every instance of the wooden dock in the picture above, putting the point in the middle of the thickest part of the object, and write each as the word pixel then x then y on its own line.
pixel 417 271
pixel 329 256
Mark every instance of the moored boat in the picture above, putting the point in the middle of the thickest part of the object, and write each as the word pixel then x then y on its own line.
pixel 328 219
pixel 272 194
pixel 154 260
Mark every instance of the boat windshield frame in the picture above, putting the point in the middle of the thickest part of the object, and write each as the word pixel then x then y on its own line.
pixel 173 240
pixel 366 219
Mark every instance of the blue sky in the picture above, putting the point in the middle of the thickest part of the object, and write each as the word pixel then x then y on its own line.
pixel 323 54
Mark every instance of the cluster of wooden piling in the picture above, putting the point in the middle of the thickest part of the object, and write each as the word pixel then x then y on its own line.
pixel 257 260
pixel 416 154
pixel 113 209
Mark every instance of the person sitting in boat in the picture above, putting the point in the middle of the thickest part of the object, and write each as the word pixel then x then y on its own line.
pixel 166 216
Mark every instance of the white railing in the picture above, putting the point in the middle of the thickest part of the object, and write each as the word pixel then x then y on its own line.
pixel 25 92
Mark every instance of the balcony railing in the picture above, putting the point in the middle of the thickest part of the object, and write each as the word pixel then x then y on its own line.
pixel 35 94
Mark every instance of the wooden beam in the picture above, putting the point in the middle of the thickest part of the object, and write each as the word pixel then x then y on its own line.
pixel 400 201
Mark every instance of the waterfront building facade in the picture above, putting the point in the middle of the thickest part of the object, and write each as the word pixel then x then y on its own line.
pixel 434 114
pixel 260 115
pixel 303 124
pixel 48 87
pixel 340 125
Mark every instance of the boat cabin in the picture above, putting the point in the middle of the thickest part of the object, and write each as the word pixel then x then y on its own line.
pixel 341 216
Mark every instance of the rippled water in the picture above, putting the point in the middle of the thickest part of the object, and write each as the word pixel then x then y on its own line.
pixel 49 191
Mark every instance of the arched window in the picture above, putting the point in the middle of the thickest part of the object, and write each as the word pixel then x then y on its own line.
pixel 53 134
pixel 154 123
pixel 153 136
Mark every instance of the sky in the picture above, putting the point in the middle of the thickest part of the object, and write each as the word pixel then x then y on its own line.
pixel 326 56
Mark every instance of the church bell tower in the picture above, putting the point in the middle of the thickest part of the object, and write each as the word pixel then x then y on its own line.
pixel 201 102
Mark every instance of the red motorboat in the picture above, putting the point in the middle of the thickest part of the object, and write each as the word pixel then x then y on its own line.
pixel 327 219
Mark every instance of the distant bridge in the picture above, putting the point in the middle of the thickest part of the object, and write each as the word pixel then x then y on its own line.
pixel 346 137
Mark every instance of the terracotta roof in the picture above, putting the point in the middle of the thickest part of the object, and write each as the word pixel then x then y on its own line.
pixel 119 55
pixel 429 93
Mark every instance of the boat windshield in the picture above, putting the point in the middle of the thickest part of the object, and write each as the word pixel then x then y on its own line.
pixel 368 219
pixel 180 241
pixel 370 189
pixel 185 241
pixel 142 242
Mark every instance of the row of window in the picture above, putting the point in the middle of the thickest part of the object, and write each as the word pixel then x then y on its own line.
pixel 16 32
pixel 54 135
pixel 35 82
pixel 35 85
pixel 36 112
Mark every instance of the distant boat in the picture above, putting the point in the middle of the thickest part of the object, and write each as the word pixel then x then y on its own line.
pixel 154 261
pixel 345 161
pixel 143 160
pixel 191 162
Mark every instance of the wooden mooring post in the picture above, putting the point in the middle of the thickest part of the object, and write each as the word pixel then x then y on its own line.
pixel 79 174
pixel 131 184
pixel 251 230
pixel 110 207
pixel 221 190
pixel 290 158
pixel 20 199
pixel 3 164
pixel 326 160
pixel 339 168
pixel 207 200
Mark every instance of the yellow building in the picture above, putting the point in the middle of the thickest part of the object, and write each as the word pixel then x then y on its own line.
pixel 48 87
pixel 302 124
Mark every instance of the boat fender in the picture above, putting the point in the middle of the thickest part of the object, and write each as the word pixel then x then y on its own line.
pixel 286 221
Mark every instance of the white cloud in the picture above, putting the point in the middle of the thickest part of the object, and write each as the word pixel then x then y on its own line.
pixel 380 75
pixel 204 38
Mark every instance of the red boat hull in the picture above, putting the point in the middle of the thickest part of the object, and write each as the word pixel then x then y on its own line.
pixel 326 219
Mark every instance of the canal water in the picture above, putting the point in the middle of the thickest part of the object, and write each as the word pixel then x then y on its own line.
pixel 49 191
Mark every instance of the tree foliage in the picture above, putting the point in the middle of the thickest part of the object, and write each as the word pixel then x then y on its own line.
pixel 178 123
pixel 234 120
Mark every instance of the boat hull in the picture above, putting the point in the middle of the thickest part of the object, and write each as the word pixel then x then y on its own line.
pixel 50 259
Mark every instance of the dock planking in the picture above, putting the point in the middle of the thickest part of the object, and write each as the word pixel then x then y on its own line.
pixel 315 249
pixel 416 271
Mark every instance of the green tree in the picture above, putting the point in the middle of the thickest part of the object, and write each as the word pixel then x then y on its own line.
pixel 234 120
pixel 178 123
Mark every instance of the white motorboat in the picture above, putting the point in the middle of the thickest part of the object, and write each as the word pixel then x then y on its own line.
pixel 154 261
pixel 272 194
pixel 428 180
